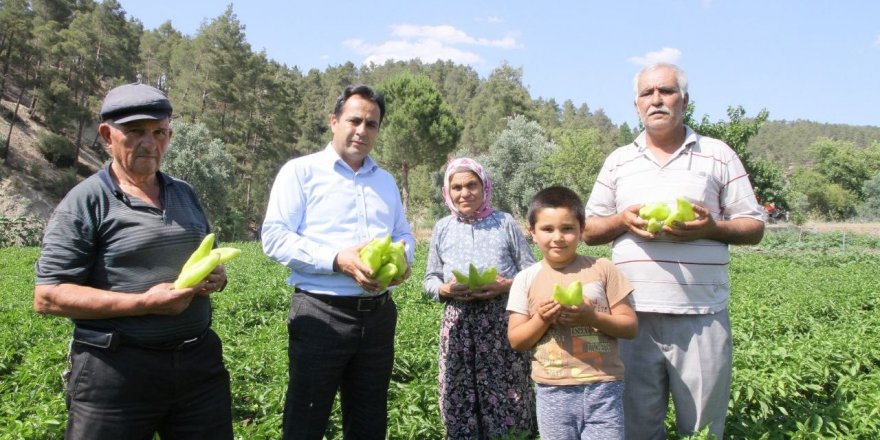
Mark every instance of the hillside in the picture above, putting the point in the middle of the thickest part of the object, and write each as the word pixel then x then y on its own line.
pixel 787 142
pixel 29 185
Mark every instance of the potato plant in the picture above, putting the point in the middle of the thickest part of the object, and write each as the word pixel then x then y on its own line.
pixel 805 313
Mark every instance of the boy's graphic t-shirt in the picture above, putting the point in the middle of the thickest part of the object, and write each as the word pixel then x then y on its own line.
pixel 572 355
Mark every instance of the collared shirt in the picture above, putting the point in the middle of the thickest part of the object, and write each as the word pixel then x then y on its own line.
pixel 671 276
pixel 101 237
pixel 319 206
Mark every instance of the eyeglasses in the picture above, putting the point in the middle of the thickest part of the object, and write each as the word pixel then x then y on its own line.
pixel 138 132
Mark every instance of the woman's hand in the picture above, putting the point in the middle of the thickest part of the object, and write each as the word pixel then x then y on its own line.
pixel 455 291
pixel 492 290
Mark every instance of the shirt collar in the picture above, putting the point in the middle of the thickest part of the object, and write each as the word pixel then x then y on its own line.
pixel 690 139
pixel 107 179
pixel 330 157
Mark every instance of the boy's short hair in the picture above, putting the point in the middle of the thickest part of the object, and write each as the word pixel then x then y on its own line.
pixel 556 197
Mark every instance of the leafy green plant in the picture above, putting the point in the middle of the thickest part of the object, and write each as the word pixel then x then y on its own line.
pixel 804 316
pixel 20 231
pixel 57 149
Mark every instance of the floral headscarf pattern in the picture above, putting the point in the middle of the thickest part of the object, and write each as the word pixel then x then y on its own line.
pixel 467 164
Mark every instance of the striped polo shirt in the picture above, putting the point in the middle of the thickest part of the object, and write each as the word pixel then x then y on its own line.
pixel 98 236
pixel 670 276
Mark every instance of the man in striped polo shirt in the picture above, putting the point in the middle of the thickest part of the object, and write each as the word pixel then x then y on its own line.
pixel 143 357
pixel 680 274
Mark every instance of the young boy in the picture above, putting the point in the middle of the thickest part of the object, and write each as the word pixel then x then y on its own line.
pixel 575 365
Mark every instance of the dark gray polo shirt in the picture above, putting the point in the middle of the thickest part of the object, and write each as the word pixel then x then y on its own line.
pixel 100 237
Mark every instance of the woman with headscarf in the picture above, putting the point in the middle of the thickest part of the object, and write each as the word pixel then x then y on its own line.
pixel 484 385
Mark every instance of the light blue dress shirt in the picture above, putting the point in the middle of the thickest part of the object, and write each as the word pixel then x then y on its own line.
pixel 319 206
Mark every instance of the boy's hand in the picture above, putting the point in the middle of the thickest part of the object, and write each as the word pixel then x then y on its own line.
pixel 548 311
pixel 577 316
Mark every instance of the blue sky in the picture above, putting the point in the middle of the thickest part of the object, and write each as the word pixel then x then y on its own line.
pixel 807 59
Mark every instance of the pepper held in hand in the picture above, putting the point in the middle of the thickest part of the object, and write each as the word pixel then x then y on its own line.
pixel 569 296
pixel 476 279
pixel 374 252
pixel 197 272
pixel 202 261
pixel 386 260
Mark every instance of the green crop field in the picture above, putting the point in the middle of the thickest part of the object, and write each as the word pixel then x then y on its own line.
pixel 805 313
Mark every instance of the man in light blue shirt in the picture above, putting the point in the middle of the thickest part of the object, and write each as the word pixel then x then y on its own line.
pixel 323 208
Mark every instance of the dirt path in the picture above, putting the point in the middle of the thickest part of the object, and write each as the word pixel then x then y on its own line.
pixel 854 228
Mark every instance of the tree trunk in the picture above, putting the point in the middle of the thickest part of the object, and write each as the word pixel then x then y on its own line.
pixel 5 154
pixel 78 143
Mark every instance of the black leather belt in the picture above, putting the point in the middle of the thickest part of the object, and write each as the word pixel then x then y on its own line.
pixel 357 303
pixel 109 339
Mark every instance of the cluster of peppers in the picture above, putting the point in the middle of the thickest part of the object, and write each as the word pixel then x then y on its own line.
pixel 569 296
pixel 387 260
pixel 658 214
pixel 475 279
pixel 203 261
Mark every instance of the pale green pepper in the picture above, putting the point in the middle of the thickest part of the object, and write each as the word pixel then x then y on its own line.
pixel 373 253
pixel 569 296
pixel 201 252
pixel 197 272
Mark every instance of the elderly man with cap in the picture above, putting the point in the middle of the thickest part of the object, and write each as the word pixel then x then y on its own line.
pixel 143 358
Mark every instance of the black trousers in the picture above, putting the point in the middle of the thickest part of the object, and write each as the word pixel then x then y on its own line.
pixel 129 392
pixel 332 347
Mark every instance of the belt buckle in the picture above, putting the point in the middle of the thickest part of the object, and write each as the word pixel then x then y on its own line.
pixel 367 302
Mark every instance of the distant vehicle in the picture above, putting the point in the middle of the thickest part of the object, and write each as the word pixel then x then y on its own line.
pixel 775 214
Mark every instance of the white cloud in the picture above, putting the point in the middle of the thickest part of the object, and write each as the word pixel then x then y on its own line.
pixel 429 44
pixel 665 55
pixel 494 19
pixel 877 41
pixel 707 4
pixel 448 35
pixel 426 50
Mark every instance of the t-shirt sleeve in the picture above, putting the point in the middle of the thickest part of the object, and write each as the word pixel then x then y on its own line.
pixel 68 250
pixel 518 298
pixel 737 195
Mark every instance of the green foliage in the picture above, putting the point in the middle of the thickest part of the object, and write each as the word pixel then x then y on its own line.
pixel 20 231
pixel 65 181
pixel 203 162
pixel 64 55
pixel 838 184
pixel 804 317
pixel 502 96
pixel 787 142
pixel 57 149
pixel 512 160
pixel 869 209
pixel 419 127
pixel 843 164
pixel 575 162
pixel 822 199
pixel 766 176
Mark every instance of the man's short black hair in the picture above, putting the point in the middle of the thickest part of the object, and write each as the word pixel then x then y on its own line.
pixel 556 197
pixel 364 91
